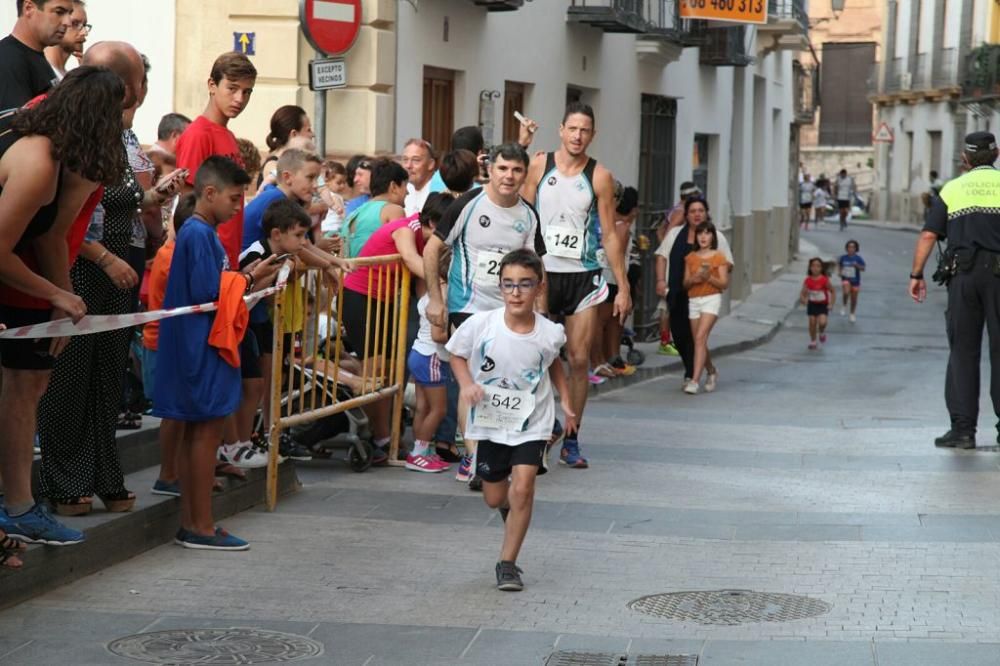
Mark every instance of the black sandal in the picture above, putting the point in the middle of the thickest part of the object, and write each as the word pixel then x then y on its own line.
pixel 129 421
pixel 72 506
pixel 9 548
pixel 122 501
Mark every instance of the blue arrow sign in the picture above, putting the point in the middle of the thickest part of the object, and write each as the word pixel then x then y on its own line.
pixel 245 43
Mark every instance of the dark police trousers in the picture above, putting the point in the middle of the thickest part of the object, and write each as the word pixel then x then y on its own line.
pixel 973 300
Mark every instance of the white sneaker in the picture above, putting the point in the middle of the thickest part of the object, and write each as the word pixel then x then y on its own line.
pixel 242 455
pixel 691 388
pixel 711 381
pixel 852 318
pixel 843 311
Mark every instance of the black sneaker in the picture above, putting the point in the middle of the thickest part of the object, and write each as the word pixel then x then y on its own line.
pixel 956 440
pixel 476 484
pixel 509 577
pixel 504 512
pixel 289 448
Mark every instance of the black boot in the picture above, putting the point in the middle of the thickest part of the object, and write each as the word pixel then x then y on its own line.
pixel 954 439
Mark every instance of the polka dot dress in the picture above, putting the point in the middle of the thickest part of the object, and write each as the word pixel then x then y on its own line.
pixel 79 411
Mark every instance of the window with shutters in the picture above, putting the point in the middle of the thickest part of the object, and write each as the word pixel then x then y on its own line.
pixel 513 100
pixel 439 107
pixel 846 114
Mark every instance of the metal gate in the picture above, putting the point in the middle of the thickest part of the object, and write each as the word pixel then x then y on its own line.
pixel 657 149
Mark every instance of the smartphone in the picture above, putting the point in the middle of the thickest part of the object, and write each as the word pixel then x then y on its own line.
pixel 277 259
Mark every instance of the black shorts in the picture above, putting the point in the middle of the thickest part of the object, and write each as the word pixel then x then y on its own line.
pixel 264 332
pixel 817 309
pixel 843 204
pixel 356 325
pixel 494 462
pixel 612 293
pixel 571 293
pixel 805 206
pixel 456 319
pixel 250 356
pixel 634 276
pixel 25 353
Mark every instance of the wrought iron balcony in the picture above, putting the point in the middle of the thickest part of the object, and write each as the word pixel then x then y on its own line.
pixel 981 80
pixel 935 71
pixel 722 47
pixel 610 15
pixel 787 27
pixel 898 77
pixel 806 81
pixel 499 5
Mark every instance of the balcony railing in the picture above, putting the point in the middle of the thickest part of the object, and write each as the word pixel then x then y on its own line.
pixel 610 15
pixel 794 10
pixel 499 5
pixel 722 47
pixel 945 70
pixel 981 77
pixel 898 77
pixel 806 92
pixel 874 80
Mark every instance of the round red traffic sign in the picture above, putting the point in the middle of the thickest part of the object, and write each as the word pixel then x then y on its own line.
pixel 331 26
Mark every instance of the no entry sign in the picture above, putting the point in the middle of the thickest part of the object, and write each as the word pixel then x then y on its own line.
pixel 331 26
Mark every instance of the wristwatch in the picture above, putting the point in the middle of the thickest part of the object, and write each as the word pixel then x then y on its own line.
pixel 916 276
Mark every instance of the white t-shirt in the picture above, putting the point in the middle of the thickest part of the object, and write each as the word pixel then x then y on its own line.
pixel 415 199
pixel 517 363
pixel 425 344
pixel 845 186
pixel 806 190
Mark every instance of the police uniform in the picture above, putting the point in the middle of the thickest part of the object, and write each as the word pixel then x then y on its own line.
pixel 967 214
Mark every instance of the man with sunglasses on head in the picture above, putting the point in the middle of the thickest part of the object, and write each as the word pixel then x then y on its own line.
pixel 24 71
pixel 481 227
pixel 71 45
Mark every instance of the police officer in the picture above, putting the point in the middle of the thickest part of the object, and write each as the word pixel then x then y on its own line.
pixel 967 214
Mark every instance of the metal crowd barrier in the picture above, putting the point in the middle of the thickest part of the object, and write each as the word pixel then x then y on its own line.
pixel 307 400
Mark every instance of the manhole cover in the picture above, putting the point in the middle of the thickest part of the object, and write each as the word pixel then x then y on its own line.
pixel 568 658
pixel 236 645
pixel 730 607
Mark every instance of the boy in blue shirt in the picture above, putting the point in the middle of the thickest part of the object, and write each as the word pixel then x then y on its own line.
pixel 850 266
pixel 194 384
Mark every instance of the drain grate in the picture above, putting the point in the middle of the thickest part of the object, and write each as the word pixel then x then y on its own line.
pixel 568 658
pixel 730 607
pixel 235 645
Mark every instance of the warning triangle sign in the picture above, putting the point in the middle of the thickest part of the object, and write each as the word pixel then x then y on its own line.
pixel 883 134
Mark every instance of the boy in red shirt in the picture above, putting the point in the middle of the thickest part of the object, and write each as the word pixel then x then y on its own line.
pixel 229 88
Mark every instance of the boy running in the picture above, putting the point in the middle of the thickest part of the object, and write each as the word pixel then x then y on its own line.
pixel 194 383
pixel 850 266
pixel 512 353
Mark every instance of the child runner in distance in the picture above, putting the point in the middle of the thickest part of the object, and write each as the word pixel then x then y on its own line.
pixel 503 360
pixel 850 267
pixel 817 294
pixel 428 364
pixel 706 276
pixel 194 384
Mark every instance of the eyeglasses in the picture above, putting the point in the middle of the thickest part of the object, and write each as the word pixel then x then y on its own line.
pixel 508 287
pixel 81 27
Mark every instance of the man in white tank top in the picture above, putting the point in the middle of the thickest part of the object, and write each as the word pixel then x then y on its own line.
pixel 575 200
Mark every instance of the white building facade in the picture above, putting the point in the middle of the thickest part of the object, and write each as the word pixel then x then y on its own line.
pixel 674 100
pixel 928 94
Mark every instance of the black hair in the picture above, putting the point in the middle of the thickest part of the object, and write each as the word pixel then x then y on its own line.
pixel 385 172
pixel 708 226
pixel 629 201
pixel 284 121
pixel 284 215
pixel 822 265
pixel 81 118
pixel 934 174
pixel 219 172
pixel 469 138
pixel 459 169
pixel 435 207
pixel 693 200
pixel 579 107
pixel 172 123
pixel 514 152
pixel 857 245
pixel 525 258
pixel 984 157
pixel 184 210
pixel 355 163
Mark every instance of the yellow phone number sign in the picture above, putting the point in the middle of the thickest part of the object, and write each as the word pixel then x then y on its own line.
pixel 740 11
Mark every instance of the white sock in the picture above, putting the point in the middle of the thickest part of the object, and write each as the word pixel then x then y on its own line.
pixel 422 447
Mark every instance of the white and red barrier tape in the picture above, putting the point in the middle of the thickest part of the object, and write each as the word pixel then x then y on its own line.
pixel 61 328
